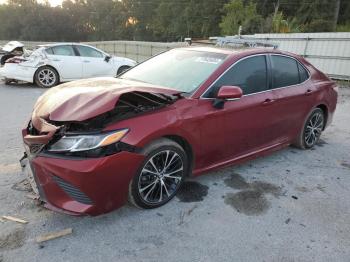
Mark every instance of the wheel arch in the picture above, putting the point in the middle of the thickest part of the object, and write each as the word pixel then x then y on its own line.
pixel 48 65
pixel 180 140
pixel 127 67
pixel 324 108
pixel 187 148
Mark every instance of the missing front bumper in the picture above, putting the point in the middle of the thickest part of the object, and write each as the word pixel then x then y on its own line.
pixel 28 172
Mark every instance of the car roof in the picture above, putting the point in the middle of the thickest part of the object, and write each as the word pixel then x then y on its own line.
pixel 58 44
pixel 241 51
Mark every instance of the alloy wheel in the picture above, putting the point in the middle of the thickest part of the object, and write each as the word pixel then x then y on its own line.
pixel 314 129
pixel 47 77
pixel 160 177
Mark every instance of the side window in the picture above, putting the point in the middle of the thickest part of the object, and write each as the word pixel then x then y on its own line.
pixel 249 74
pixel 64 50
pixel 303 74
pixel 285 71
pixel 49 51
pixel 88 51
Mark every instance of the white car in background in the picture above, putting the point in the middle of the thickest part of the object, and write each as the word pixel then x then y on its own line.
pixel 52 64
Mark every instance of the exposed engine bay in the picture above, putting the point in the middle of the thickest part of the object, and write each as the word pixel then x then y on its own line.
pixel 129 105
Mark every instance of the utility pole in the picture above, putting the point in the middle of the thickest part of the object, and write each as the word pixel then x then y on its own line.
pixel 277 6
pixel 336 14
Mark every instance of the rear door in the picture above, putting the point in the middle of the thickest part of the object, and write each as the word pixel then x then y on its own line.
pixel 244 125
pixel 65 60
pixel 294 94
pixel 94 63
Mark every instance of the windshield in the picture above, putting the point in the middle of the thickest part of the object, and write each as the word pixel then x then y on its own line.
pixel 183 70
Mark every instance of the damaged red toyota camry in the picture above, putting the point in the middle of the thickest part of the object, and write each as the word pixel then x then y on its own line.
pixel 93 144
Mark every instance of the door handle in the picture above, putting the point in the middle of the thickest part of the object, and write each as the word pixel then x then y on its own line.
pixel 56 60
pixel 86 61
pixel 268 101
pixel 309 92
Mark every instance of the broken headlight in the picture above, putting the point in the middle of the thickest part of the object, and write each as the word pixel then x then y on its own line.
pixel 78 143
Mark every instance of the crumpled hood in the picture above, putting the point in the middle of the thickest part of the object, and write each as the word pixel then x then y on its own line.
pixel 84 99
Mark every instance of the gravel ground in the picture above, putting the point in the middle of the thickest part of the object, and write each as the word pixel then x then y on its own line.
pixel 289 206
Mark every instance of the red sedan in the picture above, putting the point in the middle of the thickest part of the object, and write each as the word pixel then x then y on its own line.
pixel 93 144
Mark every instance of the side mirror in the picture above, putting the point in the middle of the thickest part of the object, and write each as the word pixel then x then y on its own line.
pixel 227 93
pixel 107 58
pixel 230 92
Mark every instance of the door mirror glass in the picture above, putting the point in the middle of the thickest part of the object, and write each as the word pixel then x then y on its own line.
pixel 229 92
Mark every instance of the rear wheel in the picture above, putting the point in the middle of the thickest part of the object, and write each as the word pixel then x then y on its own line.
pixel 160 175
pixel 46 77
pixel 312 130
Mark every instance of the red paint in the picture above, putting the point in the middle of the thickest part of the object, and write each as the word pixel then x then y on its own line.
pixel 246 128
pixel 230 92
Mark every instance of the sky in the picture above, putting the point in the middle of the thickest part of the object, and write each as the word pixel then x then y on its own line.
pixel 52 2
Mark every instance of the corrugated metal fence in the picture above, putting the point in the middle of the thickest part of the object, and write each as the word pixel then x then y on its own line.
pixel 330 52
pixel 136 50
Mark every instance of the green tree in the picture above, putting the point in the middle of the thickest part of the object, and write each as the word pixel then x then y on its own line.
pixel 238 14
pixel 316 15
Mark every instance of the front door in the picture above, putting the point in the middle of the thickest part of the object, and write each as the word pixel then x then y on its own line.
pixel 244 125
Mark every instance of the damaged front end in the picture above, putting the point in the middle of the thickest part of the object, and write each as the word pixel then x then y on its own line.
pixel 86 138
pixel 80 141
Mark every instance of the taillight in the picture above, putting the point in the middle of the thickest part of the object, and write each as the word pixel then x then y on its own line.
pixel 15 60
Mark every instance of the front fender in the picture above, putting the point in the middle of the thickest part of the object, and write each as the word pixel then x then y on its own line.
pixel 169 121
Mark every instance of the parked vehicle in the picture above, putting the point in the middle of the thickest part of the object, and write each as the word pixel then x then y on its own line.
pixel 52 64
pixel 93 144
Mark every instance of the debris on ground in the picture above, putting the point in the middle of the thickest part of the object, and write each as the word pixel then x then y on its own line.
pixel 295 197
pixel 12 236
pixel 32 196
pixel 22 185
pixel 54 235
pixel 15 219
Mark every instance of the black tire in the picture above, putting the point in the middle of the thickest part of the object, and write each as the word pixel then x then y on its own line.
pixel 145 189
pixel 51 80
pixel 311 131
pixel 122 69
pixel 8 81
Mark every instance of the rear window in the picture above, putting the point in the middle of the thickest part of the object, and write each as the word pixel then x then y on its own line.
pixel 63 50
pixel 49 51
pixel 86 51
pixel 285 71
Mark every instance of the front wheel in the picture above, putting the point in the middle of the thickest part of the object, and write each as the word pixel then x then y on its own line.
pixel 10 81
pixel 46 77
pixel 160 175
pixel 312 130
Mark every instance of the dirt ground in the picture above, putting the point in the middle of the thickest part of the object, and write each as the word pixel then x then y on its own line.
pixel 292 205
